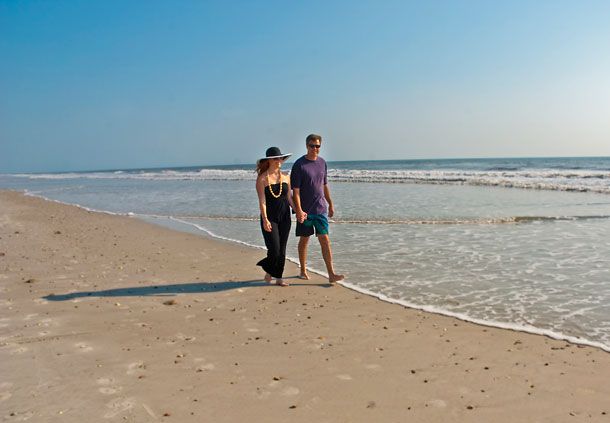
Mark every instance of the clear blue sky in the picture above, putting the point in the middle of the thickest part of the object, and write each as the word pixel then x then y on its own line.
pixel 102 84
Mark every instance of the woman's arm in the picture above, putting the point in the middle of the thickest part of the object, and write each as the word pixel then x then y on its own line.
pixel 262 204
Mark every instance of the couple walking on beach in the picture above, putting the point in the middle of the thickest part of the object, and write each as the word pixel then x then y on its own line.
pixel 310 200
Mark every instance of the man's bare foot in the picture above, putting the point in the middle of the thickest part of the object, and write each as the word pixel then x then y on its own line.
pixel 335 278
pixel 304 276
pixel 268 278
pixel 281 282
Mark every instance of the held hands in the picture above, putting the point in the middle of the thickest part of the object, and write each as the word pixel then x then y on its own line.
pixel 266 225
pixel 301 216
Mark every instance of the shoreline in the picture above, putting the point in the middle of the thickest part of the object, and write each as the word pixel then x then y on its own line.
pixel 425 308
pixel 163 325
pixel 202 231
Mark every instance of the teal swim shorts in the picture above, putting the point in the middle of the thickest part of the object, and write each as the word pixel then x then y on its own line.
pixel 319 222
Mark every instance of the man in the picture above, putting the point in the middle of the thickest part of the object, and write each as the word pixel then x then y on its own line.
pixel 313 205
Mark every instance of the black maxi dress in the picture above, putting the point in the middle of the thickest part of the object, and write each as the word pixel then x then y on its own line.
pixel 278 213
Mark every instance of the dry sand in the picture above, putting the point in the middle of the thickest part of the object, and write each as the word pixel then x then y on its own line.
pixel 108 318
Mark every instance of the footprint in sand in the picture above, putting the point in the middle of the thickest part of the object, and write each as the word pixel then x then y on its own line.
pixel 118 406
pixel 107 386
pixel 19 350
pixel 464 391
pixel 203 367
pixel 110 390
pixel 184 337
pixel 373 367
pixel 30 316
pixel 47 322
pixel 4 322
pixel 22 417
pixel 316 345
pixel 344 377
pixel 82 347
pixel 5 395
pixel 437 403
pixel 137 367
pixel 206 367
pixel 263 394
pixel 290 391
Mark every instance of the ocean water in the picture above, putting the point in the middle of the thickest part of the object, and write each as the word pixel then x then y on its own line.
pixel 515 243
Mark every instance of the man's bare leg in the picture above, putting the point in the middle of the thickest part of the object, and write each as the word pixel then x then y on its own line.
pixel 303 241
pixel 328 259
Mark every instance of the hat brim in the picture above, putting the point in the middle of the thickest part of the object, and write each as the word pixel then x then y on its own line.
pixel 283 157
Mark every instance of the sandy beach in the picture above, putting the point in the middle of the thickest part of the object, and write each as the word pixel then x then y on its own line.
pixel 109 318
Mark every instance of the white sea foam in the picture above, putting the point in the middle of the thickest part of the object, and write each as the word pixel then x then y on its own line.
pixel 413 221
pixel 547 179
pixel 484 322
pixel 39 195
pixel 542 179
pixel 155 175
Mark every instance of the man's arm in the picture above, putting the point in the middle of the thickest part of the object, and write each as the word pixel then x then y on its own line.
pixel 296 199
pixel 331 208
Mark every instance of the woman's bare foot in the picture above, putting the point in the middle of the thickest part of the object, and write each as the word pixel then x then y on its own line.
pixel 335 278
pixel 281 282
pixel 268 278
pixel 304 275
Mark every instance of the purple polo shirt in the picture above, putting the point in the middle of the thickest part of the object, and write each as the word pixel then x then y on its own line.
pixel 310 176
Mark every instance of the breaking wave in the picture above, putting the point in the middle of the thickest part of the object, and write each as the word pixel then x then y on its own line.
pixel 416 221
pixel 575 180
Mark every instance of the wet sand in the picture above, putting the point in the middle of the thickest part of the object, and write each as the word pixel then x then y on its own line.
pixel 108 318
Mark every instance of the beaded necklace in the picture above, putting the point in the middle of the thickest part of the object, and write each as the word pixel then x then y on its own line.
pixel 271 190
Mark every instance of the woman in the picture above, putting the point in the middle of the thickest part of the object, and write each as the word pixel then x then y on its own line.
pixel 274 201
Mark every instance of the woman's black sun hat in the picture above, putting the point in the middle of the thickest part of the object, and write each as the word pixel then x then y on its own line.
pixel 274 153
